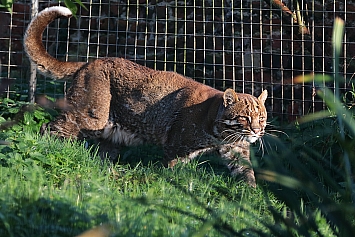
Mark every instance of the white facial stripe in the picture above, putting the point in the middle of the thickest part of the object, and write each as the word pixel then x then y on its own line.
pixel 230 122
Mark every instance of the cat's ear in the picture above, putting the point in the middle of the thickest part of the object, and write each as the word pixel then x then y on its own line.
pixel 262 97
pixel 230 97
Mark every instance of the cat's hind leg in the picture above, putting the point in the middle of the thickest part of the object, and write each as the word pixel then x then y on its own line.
pixel 88 104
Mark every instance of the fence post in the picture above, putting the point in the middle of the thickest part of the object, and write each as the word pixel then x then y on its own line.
pixel 33 77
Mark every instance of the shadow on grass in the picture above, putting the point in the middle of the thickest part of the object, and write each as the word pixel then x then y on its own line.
pixel 43 217
pixel 148 155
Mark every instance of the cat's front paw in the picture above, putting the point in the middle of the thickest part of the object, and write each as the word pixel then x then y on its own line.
pixel 243 172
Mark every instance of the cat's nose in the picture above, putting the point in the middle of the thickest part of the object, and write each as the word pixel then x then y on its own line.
pixel 256 130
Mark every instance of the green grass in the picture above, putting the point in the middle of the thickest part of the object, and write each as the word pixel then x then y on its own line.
pixel 51 187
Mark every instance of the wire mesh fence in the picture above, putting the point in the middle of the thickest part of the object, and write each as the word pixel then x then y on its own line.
pixel 247 45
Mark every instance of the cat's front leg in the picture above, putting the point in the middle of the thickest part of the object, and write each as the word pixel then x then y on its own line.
pixel 190 156
pixel 108 150
pixel 237 158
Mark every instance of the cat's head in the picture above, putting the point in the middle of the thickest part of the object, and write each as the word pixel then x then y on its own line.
pixel 242 117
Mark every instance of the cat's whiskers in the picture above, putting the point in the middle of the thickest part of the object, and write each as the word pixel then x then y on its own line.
pixel 268 148
pixel 228 131
pixel 269 132
pixel 234 136
pixel 239 137
pixel 261 146
pixel 272 128
pixel 266 145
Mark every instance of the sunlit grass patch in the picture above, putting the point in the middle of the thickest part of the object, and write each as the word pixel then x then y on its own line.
pixel 59 188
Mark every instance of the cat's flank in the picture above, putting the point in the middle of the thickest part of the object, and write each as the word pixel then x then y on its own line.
pixel 120 103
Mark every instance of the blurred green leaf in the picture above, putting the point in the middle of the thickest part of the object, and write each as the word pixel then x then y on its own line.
pixel 275 177
pixel 338 33
pixel 7 4
pixel 318 78
pixel 338 108
pixel 71 4
pixel 81 4
pixel 72 7
pixel 315 116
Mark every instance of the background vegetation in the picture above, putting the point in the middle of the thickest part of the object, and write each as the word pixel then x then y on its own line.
pixel 71 4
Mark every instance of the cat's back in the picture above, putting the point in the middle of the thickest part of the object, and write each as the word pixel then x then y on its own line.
pixel 131 80
pixel 133 75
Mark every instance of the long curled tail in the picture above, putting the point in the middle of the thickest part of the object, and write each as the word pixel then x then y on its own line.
pixel 46 64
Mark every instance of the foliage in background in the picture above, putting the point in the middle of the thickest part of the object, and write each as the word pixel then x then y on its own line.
pixel 71 4
pixel 6 4
pixel 17 115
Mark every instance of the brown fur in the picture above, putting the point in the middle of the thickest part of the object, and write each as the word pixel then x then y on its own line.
pixel 123 103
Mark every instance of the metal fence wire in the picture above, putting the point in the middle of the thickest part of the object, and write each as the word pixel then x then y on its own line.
pixel 247 45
